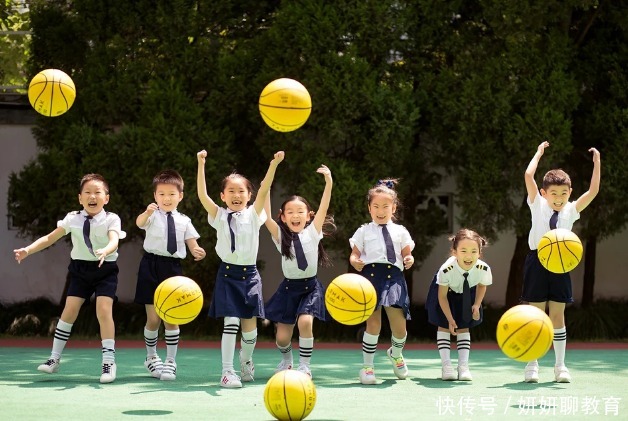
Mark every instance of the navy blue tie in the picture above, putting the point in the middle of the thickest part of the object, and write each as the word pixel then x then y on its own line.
pixel 466 300
pixel 86 229
pixel 553 220
pixel 298 251
pixel 172 235
pixel 229 217
pixel 390 249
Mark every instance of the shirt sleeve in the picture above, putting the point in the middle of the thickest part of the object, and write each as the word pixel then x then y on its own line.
pixel 358 239
pixel 406 239
pixel 115 224
pixel 190 231
pixel 487 278
pixel 65 223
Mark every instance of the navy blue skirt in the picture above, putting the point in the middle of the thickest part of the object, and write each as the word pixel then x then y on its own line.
pixel 390 285
pixel 435 314
pixel 237 293
pixel 295 297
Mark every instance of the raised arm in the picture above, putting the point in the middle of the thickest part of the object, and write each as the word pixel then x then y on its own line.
pixel 39 244
pixel 142 218
pixel 321 213
pixel 267 182
pixel 594 188
pixel 531 186
pixel 201 188
pixel 270 223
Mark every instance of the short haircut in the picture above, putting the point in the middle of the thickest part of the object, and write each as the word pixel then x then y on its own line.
pixel 556 178
pixel 94 177
pixel 168 177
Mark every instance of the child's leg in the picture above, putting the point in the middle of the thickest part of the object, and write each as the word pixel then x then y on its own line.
pixel 557 315
pixel 228 341
pixel 169 370
pixel 247 346
pixel 151 330
pixel 371 336
pixel 104 306
pixel 283 339
pixel 443 341
pixel 306 339
pixel 531 372
pixel 463 343
pixel 64 326
pixel 398 328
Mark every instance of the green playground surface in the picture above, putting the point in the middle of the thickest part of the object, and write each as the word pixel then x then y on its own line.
pixel 598 389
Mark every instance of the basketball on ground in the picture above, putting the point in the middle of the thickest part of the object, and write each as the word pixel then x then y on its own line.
pixel 525 333
pixel 178 300
pixel 51 92
pixel 350 299
pixel 290 395
pixel 285 105
pixel 560 250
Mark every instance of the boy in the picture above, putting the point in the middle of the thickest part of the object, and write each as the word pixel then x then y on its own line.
pixel 552 209
pixel 167 234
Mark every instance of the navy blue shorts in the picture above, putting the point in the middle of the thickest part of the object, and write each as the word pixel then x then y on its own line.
pixel 237 293
pixel 154 270
pixel 86 278
pixel 435 314
pixel 539 284
pixel 390 285
pixel 295 297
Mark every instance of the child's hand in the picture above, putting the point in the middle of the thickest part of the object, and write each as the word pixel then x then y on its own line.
pixel 542 147
pixel 198 253
pixel 596 155
pixel 101 254
pixel 278 157
pixel 408 261
pixel 151 208
pixel 452 327
pixel 20 254
pixel 475 311
pixel 201 156
pixel 357 263
pixel 326 172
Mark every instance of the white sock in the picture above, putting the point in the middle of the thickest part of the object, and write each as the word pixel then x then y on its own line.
pixel 247 343
pixel 369 346
pixel 443 341
pixel 397 345
pixel 108 350
pixel 560 345
pixel 463 343
pixel 228 341
pixel 172 343
pixel 150 339
pixel 306 346
pixel 62 334
pixel 286 352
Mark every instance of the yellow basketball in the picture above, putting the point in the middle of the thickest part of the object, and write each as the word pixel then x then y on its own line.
pixel 51 92
pixel 290 395
pixel 178 300
pixel 560 250
pixel 350 299
pixel 285 105
pixel 525 333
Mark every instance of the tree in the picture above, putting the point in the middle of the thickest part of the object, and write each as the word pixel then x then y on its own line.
pixel 14 38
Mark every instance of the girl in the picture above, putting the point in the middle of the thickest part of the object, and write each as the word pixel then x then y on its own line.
pixel 300 297
pixel 381 250
pixel 93 269
pixel 238 291
pixel 460 281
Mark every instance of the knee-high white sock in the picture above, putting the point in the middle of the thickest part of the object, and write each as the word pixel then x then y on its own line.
pixel 228 341
pixel 560 345
pixel 247 343
pixel 463 343
pixel 172 343
pixel 397 345
pixel 150 339
pixel 306 346
pixel 286 352
pixel 62 334
pixel 108 350
pixel 443 341
pixel 369 346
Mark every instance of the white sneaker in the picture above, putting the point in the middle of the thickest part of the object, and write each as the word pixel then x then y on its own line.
pixel 531 374
pixel 448 373
pixel 154 366
pixel 108 372
pixel 399 365
pixel 561 373
pixel 247 369
pixel 169 371
pixel 367 375
pixel 50 366
pixel 305 370
pixel 230 380
pixel 463 373
pixel 283 365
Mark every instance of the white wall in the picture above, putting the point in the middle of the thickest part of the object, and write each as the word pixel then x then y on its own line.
pixel 43 274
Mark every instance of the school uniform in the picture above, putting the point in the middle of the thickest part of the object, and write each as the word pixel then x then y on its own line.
pixel 539 284
pixel 158 264
pixel 300 292
pixel 238 289
pixel 386 277
pixel 451 275
pixel 86 278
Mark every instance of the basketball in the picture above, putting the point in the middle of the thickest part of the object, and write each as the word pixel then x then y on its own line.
pixel 525 333
pixel 290 395
pixel 51 92
pixel 560 250
pixel 178 300
pixel 285 105
pixel 350 299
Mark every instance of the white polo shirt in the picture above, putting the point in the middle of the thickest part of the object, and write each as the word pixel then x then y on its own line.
pixel 309 240
pixel 370 241
pixel 541 214
pixel 245 225
pixel 99 227
pixel 156 228
pixel 451 274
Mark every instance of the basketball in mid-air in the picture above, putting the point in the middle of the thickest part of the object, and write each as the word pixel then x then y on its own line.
pixel 51 92
pixel 525 333
pixel 350 299
pixel 290 395
pixel 559 250
pixel 178 300
pixel 285 105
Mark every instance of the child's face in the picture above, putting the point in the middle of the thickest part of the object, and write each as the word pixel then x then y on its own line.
pixel 167 197
pixel 467 253
pixel 557 196
pixel 93 197
pixel 236 195
pixel 295 215
pixel 382 208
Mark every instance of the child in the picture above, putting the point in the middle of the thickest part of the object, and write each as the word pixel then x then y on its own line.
pixel 238 291
pixel 460 281
pixel 300 297
pixel 380 251
pixel 552 209
pixel 167 234
pixel 93 269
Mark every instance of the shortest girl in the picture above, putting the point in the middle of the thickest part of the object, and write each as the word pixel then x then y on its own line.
pixel 454 301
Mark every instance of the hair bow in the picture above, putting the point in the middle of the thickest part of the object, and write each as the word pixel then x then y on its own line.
pixel 388 183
